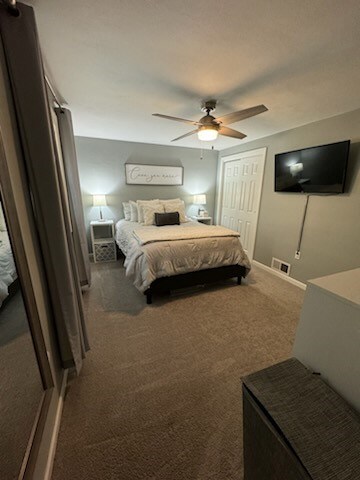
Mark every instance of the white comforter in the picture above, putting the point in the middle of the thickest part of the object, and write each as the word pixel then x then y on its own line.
pixel 155 252
pixel 7 266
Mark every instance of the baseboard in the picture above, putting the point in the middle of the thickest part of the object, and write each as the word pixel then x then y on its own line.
pixel 280 275
pixel 55 433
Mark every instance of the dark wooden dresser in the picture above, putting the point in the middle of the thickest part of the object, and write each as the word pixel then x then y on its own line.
pixel 297 428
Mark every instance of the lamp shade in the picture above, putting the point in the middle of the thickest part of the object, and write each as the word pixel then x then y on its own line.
pixel 200 199
pixel 207 133
pixel 99 200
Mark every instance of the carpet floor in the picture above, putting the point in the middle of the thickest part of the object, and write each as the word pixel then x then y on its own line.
pixel 159 396
pixel 21 389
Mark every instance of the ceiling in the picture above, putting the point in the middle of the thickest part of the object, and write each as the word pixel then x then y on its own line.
pixel 117 62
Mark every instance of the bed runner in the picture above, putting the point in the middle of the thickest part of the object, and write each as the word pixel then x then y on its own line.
pixel 146 235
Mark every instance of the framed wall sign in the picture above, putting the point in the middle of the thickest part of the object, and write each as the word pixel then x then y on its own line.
pixel 137 174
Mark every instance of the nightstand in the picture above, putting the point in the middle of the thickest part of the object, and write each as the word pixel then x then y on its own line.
pixel 102 241
pixel 205 220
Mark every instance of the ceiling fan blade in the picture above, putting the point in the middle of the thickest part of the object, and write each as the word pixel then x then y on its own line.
pixel 229 132
pixel 186 135
pixel 177 119
pixel 241 115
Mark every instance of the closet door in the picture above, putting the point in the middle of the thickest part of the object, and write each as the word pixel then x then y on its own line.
pixel 241 184
pixel 21 385
pixel 30 375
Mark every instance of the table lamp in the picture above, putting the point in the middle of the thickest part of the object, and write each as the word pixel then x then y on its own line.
pixel 200 200
pixel 99 201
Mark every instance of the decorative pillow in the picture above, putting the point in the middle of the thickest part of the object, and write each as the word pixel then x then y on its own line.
pixel 141 204
pixel 177 207
pixel 171 200
pixel 133 211
pixel 171 218
pixel 127 210
pixel 2 220
pixel 149 212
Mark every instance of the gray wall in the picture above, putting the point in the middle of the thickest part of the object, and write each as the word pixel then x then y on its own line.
pixel 331 239
pixel 102 171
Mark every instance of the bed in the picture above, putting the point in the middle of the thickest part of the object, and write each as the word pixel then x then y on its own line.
pixel 161 259
pixel 8 275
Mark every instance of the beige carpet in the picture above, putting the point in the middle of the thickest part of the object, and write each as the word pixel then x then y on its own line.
pixel 159 396
pixel 21 388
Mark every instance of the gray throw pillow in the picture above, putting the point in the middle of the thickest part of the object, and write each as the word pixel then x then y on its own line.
pixel 171 218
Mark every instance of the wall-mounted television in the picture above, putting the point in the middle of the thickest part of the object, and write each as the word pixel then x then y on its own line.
pixel 319 169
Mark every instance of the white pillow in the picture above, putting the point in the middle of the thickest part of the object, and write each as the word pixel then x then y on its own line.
pixel 176 207
pixel 133 211
pixel 171 200
pixel 149 213
pixel 127 210
pixel 141 204
pixel 2 220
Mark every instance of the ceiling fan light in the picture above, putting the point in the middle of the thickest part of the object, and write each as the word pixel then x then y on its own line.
pixel 207 134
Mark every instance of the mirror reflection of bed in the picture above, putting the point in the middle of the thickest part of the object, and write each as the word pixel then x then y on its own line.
pixel 21 387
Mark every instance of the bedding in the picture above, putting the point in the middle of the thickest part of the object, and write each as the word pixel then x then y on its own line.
pixel 2 221
pixel 149 212
pixel 145 236
pixel 175 205
pixel 143 203
pixel 7 266
pixel 127 210
pixel 3 291
pixel 133 211
pixel 170 200
pixel 162 219
pixel 152 252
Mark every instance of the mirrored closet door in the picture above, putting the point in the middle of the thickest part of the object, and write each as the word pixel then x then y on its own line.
pixel 21 387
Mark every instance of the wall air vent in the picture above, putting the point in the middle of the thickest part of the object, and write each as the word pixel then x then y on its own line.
pixel 280 266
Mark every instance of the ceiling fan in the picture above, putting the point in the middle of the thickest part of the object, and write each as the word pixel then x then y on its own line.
pixel 208 127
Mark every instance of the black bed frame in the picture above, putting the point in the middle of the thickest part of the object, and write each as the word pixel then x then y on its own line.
pixel 200 277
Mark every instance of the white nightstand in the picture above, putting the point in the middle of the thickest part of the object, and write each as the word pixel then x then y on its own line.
pixel 205 220
pixel 102 240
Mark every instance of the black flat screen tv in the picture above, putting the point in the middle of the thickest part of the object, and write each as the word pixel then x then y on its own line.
pixel 319 169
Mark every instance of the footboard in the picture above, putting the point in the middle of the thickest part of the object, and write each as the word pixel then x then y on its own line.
pixel 200 277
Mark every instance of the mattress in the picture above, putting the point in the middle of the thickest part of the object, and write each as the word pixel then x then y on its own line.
pixel 205 247
pixel 7 266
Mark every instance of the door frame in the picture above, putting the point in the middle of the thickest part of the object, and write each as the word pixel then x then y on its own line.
pixel 236 157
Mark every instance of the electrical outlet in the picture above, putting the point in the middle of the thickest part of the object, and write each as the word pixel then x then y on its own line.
pixel 297 255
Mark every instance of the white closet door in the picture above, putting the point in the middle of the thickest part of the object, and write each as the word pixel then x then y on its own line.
pixel 242 176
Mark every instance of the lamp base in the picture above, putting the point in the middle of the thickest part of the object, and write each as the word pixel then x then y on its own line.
pixel 101 219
